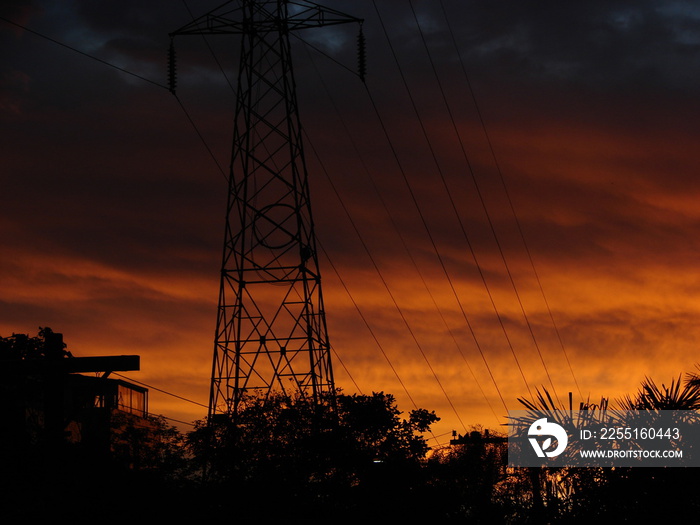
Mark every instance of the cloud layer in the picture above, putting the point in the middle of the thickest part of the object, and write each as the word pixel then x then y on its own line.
pixel 581 142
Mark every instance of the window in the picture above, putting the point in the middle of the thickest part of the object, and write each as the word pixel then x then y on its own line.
pixel 131 400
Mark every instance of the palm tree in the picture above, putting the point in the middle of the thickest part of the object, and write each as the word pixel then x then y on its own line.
pixel 676 396
pixel 553 491
pixel 597 492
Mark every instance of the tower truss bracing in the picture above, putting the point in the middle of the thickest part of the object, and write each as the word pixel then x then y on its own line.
pixel 271 328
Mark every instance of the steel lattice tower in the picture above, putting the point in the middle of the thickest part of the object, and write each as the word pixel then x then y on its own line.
pixel 271 327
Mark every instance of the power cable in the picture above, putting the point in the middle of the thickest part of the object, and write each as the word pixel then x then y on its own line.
pixel 62 44
pixel 369 327
pixel 211 51
pixel 160 390
pixel 175 420
pixel 394 301
pixel 505 189
pixel 405 245
pixel 480 195
pixel 201 137
pixel 422 217
pixel 141 77
pixel 483 203
pixel 374 336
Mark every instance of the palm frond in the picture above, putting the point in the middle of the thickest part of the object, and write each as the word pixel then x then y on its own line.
pixel 676 396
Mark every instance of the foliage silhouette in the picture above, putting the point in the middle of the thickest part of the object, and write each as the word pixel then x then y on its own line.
pixel 579 495
pixel 22 347
pixel 344 457
pixel 676 396
pixel 359 458
pixel 467 478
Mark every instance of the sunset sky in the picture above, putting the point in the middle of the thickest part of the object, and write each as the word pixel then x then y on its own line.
pixel 577 127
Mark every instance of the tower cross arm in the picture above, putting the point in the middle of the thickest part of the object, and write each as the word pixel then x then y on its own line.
pixel 267 16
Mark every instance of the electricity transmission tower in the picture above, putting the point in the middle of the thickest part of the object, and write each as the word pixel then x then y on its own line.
pixel 271 326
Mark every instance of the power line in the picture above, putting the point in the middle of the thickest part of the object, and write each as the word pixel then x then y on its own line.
pixel 160 390
pixel 369 327
pixel 374 336
pixel 505 187
pixel 404 243
pixel 211 51
pixel 394 301
pixel 136 75
pixel 347 290
pixel 176 420
pixel 88 55
pixel 420 213
pixel 201 137
pixel 478 190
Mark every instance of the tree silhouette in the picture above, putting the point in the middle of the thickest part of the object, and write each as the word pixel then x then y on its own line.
pixel 582 494
pixel 343 456
pixel 20 347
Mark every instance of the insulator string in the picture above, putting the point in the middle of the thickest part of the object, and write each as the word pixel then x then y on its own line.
pixel 361 55
pixel 172 68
